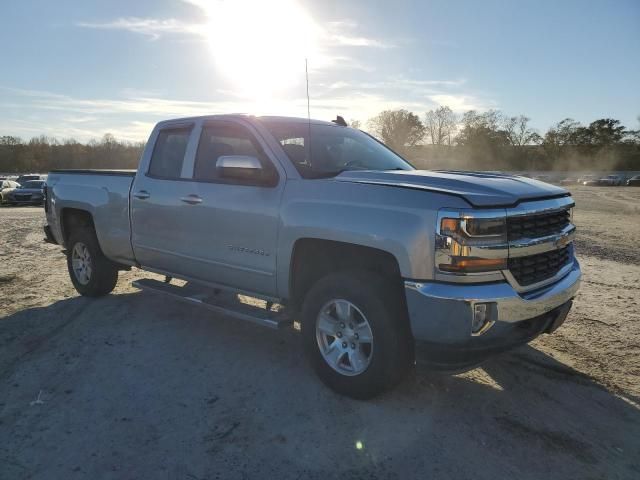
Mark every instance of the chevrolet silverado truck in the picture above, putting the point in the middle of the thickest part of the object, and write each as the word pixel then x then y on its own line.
pixel 270 219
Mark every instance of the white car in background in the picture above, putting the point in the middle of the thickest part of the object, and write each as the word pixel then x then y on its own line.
pixel 7 186
pixel 588 180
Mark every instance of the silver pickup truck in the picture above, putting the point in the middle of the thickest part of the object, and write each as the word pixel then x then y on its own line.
pixel 271 219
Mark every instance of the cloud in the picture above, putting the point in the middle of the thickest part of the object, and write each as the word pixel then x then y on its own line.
pixel 348 41
pixel 341 33
pixel 462 103
pixel 428 83
pixel 370 97
pixel 150 27
pixel 423 88
pixel 35 112
pixel 132 113
pixel 133 131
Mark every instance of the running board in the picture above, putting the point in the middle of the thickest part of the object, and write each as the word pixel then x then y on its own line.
pixel 226 303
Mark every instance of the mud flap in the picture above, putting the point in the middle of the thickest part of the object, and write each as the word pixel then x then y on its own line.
pixel 48 236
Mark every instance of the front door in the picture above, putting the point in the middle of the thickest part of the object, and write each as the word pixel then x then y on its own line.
pixel 212 227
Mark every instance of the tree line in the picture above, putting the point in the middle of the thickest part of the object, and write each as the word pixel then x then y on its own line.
pixel 487 140
pixel 41 154
pixel 494 141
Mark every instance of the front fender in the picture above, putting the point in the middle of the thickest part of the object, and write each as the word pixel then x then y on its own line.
pixel 398 221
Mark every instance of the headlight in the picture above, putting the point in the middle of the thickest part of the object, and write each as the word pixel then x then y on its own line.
pixel 470 244
pixel 469 229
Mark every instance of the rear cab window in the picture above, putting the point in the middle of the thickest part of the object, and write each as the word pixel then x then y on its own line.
pixel 169 152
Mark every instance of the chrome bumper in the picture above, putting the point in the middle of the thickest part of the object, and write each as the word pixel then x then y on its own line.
pixel 443 312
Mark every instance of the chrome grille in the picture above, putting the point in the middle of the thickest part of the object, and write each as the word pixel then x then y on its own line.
pixel 536 268
pixel 537 225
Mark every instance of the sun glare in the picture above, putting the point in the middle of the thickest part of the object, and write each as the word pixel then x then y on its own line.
pixel 260 46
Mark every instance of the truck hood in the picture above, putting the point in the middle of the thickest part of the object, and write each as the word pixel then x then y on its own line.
pixel 480 189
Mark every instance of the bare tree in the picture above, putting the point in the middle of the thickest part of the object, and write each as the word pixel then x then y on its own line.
pixel 397 128
pixel 355 124
pixel 519 133
pixel 440 125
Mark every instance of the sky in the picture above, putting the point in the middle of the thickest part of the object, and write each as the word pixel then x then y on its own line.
pixel 80 69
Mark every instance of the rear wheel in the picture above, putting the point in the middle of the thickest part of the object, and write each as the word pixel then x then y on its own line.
pixel 356 333
pixel 92 273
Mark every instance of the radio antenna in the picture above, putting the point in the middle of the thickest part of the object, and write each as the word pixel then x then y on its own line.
pixel 306 73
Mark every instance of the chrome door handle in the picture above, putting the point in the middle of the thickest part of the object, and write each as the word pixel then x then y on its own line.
pixel 142 194
pixel 191 199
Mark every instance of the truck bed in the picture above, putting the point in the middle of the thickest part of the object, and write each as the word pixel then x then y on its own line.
pixel 102 193
pixel 95 171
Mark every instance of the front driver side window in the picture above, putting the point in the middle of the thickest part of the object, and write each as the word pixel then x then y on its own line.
pixel 225 139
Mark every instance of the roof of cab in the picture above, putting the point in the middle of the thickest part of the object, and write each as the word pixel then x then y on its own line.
pixel 267 118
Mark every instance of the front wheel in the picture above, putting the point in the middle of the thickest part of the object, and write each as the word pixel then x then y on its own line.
pixel 356 334
pixel 92 274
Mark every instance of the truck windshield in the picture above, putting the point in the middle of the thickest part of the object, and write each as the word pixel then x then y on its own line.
pixel 332 150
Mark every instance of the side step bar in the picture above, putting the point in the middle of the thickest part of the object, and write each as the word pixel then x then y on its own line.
pixel 226 303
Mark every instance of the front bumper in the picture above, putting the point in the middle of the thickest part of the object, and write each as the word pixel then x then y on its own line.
pixel 441 314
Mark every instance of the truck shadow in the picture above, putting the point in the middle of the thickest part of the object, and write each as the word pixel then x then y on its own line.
pixel 138 356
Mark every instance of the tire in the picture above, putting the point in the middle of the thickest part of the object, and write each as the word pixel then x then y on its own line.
pixel 101 275
pixel 371 300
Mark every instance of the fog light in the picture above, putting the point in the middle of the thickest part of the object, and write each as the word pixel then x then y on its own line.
pixel 483 314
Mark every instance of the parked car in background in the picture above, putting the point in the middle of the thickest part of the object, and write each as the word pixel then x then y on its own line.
pixel 610 181
pixel 29 193
pixel 634 181
pixel 567 181
pixel 6 187
pixel 22 179
pixel 543 178
pixel 588 180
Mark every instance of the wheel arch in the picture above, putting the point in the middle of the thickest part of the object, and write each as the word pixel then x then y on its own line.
pixel 72 218
pixel 314 258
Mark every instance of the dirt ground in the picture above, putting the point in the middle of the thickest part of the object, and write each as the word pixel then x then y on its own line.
pixel 133 386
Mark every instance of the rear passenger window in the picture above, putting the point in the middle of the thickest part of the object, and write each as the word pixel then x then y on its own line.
pixel 222 139
pixel 168 153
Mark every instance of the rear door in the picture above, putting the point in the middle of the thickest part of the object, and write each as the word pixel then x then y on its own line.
pixel 159 217
pixel 232 230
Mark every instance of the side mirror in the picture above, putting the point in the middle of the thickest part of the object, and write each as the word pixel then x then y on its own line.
pixel 242 167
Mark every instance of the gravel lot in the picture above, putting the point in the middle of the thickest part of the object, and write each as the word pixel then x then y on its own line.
pixel 132 386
